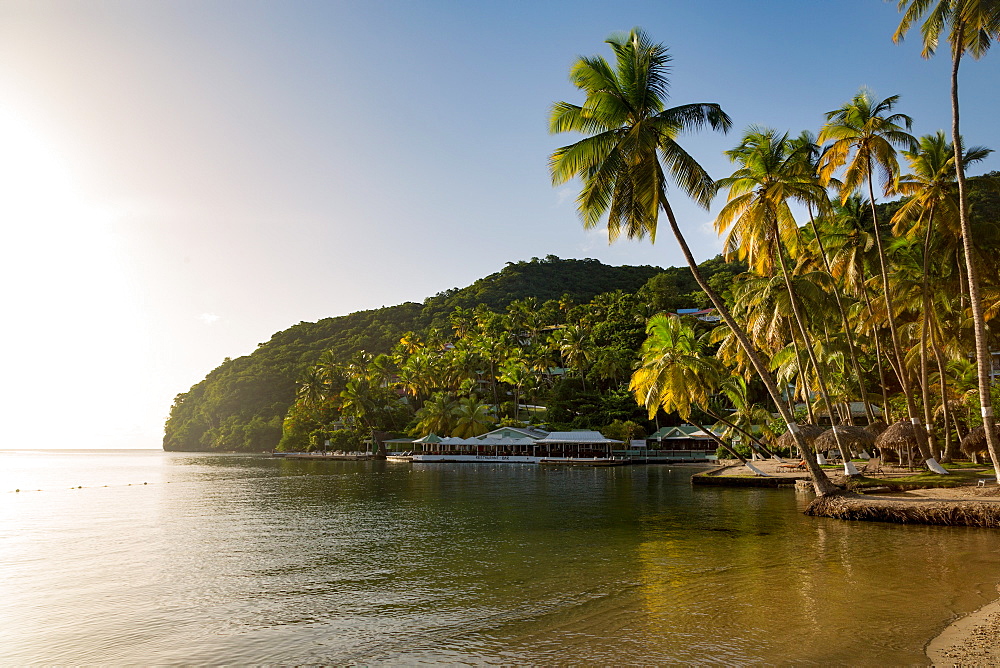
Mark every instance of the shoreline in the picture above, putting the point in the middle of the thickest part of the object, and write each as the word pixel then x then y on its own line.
pixel 971 640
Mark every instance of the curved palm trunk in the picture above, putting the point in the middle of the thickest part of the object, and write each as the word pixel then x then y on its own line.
pixel 802 376
pixel 878 361
pixel 756 442
pixel 821 483
pixel 851 350
pixel 950 446
pixel 925 325
pixel 821 381
pixel 722 444
pixel 984 361
pixel 904 378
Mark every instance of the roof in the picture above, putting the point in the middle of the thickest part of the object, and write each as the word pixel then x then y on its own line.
pixel 683 431
pixel 516 432
pixel 594 437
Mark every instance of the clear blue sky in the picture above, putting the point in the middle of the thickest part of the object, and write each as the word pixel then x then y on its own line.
pixel 182 179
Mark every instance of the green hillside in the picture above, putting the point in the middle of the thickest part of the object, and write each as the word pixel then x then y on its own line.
pixel 240 405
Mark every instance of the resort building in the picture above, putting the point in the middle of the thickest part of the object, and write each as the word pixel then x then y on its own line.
pixel 683 442
pixel 509 444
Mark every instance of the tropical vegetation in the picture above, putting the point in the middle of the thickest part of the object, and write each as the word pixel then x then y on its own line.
pixel 833 306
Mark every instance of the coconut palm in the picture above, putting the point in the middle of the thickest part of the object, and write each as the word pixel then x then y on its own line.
pixel 630 149
pixel 758 216
pixel 575 346
pixel 471 417
pixel 863 135
pixel 930 186
pixel 674 374
pixel 436 416
pixel 807 151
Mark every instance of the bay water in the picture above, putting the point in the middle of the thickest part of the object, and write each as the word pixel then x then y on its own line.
pixel 141 557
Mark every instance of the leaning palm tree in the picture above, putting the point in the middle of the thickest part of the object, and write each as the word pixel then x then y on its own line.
pixel 624 161
pixel 758 216
pixel 864 134
pixel 972 25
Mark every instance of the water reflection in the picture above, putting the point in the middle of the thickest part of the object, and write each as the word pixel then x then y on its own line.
pixel 255 560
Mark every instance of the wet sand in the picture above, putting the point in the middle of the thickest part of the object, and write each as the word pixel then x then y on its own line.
pixel 973 640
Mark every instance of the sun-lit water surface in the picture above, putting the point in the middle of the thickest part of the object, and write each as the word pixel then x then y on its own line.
pixel 242 559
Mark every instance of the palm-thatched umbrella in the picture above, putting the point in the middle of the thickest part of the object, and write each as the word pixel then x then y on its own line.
pixel 899 437
pixel 876 428
pixel 851 438
pixel 810 433
pixel 974 443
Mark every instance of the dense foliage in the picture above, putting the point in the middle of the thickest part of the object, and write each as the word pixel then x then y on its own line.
pixel 241 404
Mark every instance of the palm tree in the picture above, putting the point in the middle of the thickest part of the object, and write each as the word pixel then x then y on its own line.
pixel 865 128
pixel 971 25
pixel 471 418
pixel 930 186
pixel 850 243
pixel 575 347
pixel 624 161
pixel 759 218
pixel 807 151
pixel 436 416
pixel 674 374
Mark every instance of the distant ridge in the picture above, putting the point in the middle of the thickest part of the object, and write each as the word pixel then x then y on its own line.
pixel 240 404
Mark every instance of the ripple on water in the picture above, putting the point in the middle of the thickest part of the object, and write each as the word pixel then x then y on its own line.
pixel 250 560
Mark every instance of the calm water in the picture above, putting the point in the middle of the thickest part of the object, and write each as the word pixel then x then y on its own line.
pixel 237 559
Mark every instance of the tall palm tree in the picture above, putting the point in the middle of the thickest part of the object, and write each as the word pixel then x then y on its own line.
pixel 931 189
pixel 762 228
pixel 436 416
pixel 471 417
pixel 630 149
pixel 864 134
pixel 807 151
pixel 972 25
pixel 575 347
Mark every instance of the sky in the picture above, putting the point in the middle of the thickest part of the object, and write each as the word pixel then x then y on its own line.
pixel 180 180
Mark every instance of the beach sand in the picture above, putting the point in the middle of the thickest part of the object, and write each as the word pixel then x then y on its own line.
pixel 973 640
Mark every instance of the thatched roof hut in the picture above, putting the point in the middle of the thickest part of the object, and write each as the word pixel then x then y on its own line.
pixel 876 428
pixel 899 435
pixel 809 432
pixel 974 442
pixel 857 438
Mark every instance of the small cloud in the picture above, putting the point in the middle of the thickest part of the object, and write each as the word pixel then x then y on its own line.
pixel 564 195
pixel 209 318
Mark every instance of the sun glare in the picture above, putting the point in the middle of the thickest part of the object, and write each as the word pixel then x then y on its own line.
pixel 71 314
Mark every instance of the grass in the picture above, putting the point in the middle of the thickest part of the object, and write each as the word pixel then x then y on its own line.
pixel 959 477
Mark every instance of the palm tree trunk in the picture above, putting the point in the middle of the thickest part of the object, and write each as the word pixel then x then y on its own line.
pixel 904 379
pixel 925 325
pixel 983 356
pixel 753 439
pixel 802 376
pixel 722 444
pixel 950 446
pixel 886 415
pixel 805 341
pixel 851 351
pixel 821 483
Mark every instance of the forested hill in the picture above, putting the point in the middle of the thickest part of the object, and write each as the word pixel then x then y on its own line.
pixel 240 404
